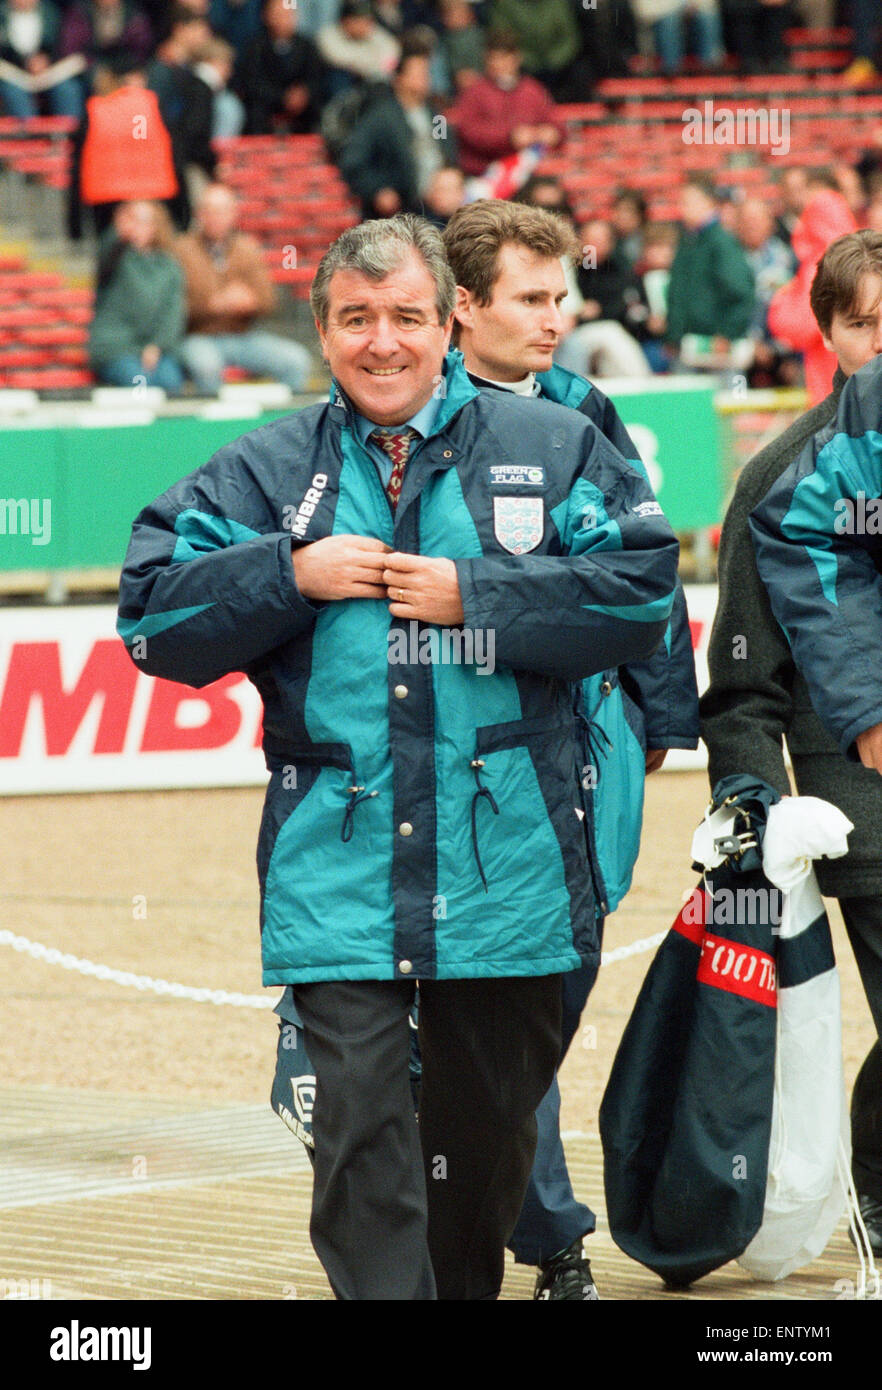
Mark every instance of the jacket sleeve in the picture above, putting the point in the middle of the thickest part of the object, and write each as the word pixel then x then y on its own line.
pixel 816 541
pixel 256 275
pixel 373 158
pixel 735 285
pixel 203 593
pixel 170 315
pixel 748 706
pixel 604 601
pixel 663 686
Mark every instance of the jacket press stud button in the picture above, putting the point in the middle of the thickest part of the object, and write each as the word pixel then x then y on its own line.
pixel 405 967
pixel 606 688
pixel 400 692
pixel 405 828
pixel 448 454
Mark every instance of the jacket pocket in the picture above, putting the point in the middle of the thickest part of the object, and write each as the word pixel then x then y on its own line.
pixel 525 804
pixel 289 786
pixel 490 738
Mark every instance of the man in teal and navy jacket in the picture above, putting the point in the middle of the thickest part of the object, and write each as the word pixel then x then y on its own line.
pixel 507 259
pixel 413 576
pixel 818 540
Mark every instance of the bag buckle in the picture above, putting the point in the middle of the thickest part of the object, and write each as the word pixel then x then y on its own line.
pixel 735 844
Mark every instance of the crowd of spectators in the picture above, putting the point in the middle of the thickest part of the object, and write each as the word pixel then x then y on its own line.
pixel 723 289
pixel 283 61
pixel 171 307
pixel 423 104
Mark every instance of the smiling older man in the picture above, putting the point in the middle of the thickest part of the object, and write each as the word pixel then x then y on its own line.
pixel 420 821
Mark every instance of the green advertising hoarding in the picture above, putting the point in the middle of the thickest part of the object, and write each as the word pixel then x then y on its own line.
pixel 675 427
pixel 69 492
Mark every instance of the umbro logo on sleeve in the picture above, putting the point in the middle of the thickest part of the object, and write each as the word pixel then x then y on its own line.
pixel 298 522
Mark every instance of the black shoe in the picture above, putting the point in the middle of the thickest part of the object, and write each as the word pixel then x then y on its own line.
pixel 871 1211
pixel 567 1276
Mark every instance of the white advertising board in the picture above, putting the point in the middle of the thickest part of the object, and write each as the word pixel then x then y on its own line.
pixel 77 715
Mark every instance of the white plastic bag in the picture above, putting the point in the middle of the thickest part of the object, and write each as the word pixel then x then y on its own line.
pixel 806 1195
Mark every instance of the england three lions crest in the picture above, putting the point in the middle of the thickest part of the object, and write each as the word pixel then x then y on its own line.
pixel 518 523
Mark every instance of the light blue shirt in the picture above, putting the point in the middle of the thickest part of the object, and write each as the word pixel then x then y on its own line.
pixel 422 422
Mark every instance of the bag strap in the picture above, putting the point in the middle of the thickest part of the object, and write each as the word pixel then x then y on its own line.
pixel 868 1283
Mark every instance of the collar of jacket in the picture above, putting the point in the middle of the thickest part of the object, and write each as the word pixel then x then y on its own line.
pixel 458 391
pixel 484 383
pixel 557 384
pixel 563 387
pixel 839 380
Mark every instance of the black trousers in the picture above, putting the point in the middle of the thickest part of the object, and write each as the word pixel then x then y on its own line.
pixel 404 1211
pixel 863 921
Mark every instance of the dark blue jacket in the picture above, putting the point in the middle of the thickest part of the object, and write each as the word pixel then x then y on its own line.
pixel 818 540
pixel 645 704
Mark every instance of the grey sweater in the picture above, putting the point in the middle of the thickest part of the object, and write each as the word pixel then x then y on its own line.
pixel 757 698
pixel 141 302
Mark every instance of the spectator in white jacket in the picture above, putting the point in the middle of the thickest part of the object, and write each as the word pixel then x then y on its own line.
pixel 356 48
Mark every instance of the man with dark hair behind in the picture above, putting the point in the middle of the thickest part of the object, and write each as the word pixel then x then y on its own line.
pixel 546 191
pixel 398 143
pixel 757 697
pixel 629 216
pixel 281 75
pixel 508 263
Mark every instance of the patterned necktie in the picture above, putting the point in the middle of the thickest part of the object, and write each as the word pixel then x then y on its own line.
pixel 397 446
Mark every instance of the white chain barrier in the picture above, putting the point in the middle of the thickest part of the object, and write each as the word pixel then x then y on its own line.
pixel 51 956
pixel 126 977
pixel 636 948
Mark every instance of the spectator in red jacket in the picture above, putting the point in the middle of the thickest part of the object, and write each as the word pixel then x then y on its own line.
pixel 104 172
pixel 825 217
pixel 503 111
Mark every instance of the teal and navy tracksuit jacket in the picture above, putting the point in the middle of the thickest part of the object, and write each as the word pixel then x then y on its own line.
pixel 419 819
pixel 818 540
pixel 646 704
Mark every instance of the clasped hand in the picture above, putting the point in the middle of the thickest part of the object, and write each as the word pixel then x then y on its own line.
pixel 424 587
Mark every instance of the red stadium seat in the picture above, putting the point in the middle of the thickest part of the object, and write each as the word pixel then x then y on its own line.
pixel 803 38
pixel 50 335
pixel 24 357
pixel 52 379
pixel 811 58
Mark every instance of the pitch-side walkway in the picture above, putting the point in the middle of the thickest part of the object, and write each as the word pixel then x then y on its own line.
pixel 125 1197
